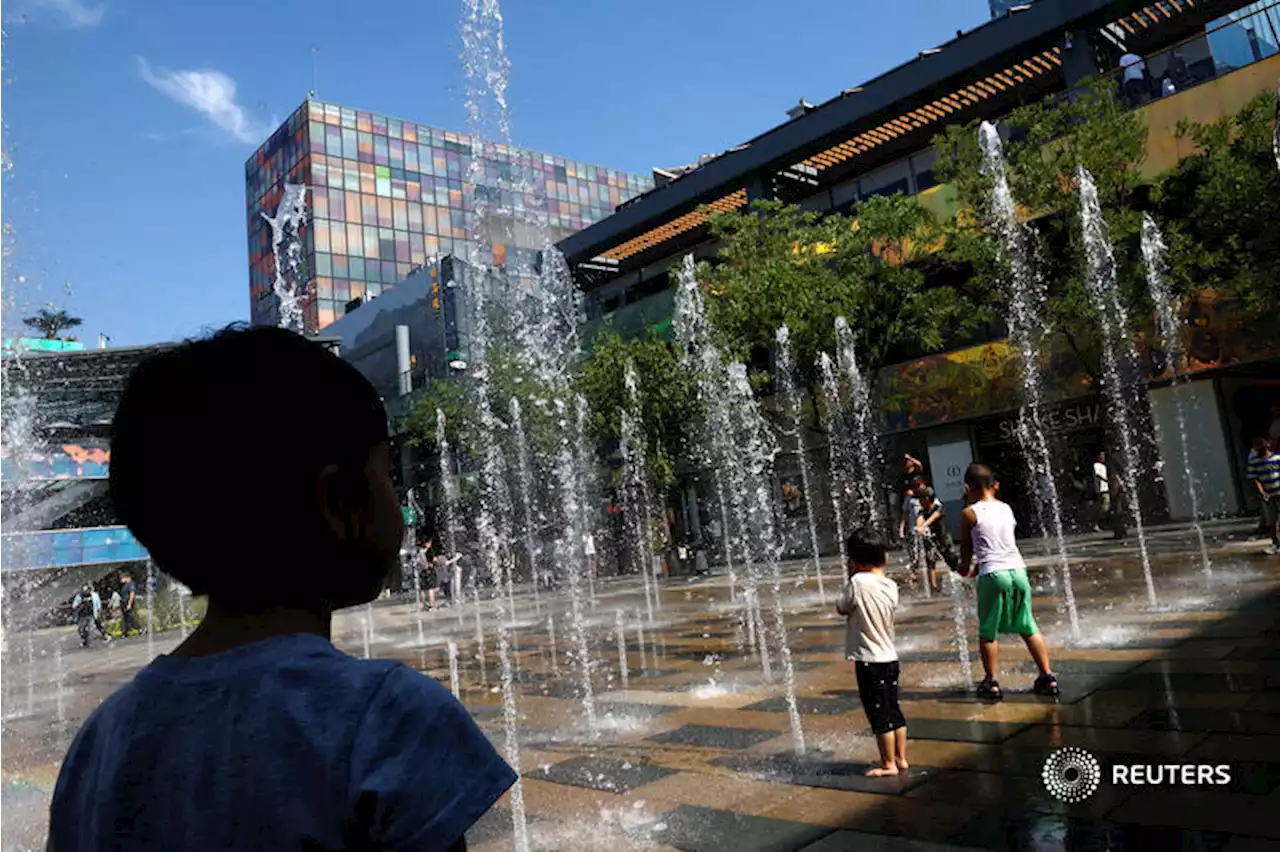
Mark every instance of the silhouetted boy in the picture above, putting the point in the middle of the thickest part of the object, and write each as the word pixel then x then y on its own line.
pixel 256 733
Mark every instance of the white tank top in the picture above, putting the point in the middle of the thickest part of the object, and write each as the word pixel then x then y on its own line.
pixel 994 546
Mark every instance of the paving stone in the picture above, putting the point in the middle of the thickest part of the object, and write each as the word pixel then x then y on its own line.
pixel 714 736
pixel 823 772
pixel 808 705
pixel 600 773
pixel 697 829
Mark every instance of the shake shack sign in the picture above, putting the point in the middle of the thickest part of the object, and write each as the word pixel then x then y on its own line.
pixel 1062 420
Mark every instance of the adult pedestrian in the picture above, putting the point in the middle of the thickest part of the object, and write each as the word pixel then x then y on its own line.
pixel 1264 473
pixel 128 599
pixel 1101 492
pixel 428 579
pixel 87 607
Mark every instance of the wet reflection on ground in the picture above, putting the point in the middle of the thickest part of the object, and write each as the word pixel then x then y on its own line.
pixel 695 753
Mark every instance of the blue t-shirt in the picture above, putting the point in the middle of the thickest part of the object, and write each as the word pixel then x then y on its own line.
pixel 283 744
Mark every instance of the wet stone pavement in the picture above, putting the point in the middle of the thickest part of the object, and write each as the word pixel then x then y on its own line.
pixel 696 753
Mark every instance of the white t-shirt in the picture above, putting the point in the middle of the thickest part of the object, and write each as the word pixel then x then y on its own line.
pixel 869 600
pixel 1100 482
pixel 994 545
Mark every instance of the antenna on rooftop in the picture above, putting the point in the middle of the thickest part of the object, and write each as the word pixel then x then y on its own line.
pixel 315 71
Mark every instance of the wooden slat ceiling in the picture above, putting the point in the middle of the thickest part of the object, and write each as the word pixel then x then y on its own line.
pixel 934 113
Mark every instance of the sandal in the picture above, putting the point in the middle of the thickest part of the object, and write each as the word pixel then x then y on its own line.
pixel 1046 685
pixel 990 690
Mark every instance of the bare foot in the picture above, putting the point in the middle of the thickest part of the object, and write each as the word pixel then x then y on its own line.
pixel 882 771
pixel 903 766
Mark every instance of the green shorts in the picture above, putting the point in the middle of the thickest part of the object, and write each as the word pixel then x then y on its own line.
pixel 1004 604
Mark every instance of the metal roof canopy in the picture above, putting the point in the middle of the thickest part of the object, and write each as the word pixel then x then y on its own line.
pixel 994 44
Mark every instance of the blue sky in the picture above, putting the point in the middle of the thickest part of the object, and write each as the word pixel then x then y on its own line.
pixel 129 121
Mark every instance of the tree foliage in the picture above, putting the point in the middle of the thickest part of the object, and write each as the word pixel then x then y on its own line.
pixel 1220 207
pixel 1047 141
pixel 780 265
pixel 670 415
pixel 51 323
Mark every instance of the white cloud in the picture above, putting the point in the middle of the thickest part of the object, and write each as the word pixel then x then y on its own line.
pixel 210 93
pixel 75 13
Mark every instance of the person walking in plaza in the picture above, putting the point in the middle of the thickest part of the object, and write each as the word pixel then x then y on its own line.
pixel 256 732
pixel 1004 593
pixel 868 603
pixel 908 531
pixel 1264 472
pixel 128 599
pixel 934 535
pixel 428 577
pixel 87 607
pixel 1101 492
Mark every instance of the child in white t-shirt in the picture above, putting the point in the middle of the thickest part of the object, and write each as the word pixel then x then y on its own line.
pixel 869 601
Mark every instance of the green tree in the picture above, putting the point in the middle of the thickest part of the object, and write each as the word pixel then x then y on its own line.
pixel 779 265
pixel 1220 209
pixel 669 410
pixel 1048 141
pixel 51 323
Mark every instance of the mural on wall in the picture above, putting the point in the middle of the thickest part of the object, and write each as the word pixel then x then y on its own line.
pixel 983 380
pixel 65 461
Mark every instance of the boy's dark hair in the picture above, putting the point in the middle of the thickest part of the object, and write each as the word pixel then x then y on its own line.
pixel 980 476
pixel 865 547
pixel 259 412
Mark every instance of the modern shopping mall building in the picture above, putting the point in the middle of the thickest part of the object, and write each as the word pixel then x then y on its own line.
pixel 388 196
pixel 1202 60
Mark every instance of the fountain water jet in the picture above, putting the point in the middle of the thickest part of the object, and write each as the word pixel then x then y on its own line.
pixel 1118 354
pixel 1153 249
pixel 286 248
pixel 757 454
pixel 831 393
pixel 453 669
pixel 526 484
pixel 448 520
pixel 789 391
pixel 632 506
pixel 621 631
pixel 1025 294
pixel 866 441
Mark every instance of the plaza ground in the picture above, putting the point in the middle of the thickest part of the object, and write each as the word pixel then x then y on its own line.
pixel 696 752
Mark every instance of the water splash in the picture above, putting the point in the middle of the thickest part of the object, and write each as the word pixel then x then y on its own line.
pixel 633 507
pixel 453 669
pixel 286 246
pixel 788 390
pixel 1118 353
pixel 551 644
pixel 621 635
pixel 960 609
pixel 449 514
pixel 1153 249
pixel 831 394
pixel 492 494
pixel 640 475
pixel 525 484
pixel 866 441
pixel 1025 293
pixel 757 452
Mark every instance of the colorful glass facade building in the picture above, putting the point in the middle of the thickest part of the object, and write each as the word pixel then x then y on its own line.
pixel 386 196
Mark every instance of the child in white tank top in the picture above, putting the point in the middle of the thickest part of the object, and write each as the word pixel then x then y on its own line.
pixel 1004 592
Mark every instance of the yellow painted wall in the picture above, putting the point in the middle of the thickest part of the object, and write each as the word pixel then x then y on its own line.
pixel 1206 103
